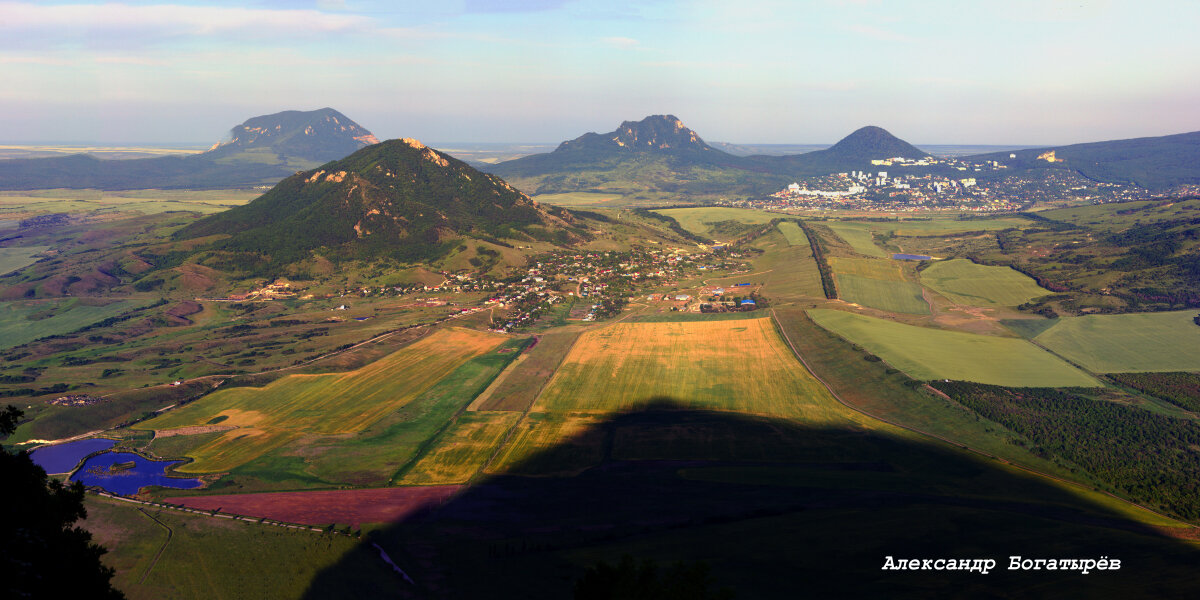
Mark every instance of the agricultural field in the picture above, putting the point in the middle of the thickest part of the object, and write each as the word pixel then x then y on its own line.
pixel 925 353
pixel 886 269
pixel 792 233
pixel 462 450
pixel 859 236
pixel 964 282
pixel 1129 343
pixel 893 296
pixel 736 365
pixel 516 388
pixel 28 203
pixel 15 257
pixel 296 405
pixel 1118 216
pixel 699 220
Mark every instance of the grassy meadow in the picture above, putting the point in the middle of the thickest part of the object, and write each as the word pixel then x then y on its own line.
pixel 202 557
pixel 26 203
pixel 792 233
pixel 893 296
pixel 698 220
pixel 15 257
pixel 296 405
pixel 28 320
pixel 964 282
pixel 1129 343
pixel 925 353
pixel 859 236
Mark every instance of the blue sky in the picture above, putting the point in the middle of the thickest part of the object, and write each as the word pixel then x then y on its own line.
pixel 999 72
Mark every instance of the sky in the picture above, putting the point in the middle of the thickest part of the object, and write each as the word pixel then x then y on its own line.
pixel 1024 72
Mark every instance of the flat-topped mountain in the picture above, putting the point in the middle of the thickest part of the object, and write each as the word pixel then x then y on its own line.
pixel 261 151
pixel 398 199
pixel 318 136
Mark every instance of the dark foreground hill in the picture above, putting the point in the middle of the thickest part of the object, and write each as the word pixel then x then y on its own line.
pixel 261 151
pixel 398 199
pixel 1151 162
pixel 768 508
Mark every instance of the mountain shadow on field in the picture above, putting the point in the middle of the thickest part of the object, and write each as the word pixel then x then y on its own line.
pixel 775 509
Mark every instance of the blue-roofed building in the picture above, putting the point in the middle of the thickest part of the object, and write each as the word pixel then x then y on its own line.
pixel 749 302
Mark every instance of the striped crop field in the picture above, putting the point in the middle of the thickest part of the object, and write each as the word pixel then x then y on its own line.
pixel 964 282
pixel 463 449
pixel 924 353
pixel 736 365
pixel 338 403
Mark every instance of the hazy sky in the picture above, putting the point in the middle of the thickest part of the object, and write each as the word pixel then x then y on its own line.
pixel 960 71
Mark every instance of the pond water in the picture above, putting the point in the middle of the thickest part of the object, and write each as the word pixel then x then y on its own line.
pixel 910 257
pixel 61 458
pixel 127 481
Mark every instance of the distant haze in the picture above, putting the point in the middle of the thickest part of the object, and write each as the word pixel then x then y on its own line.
pixel 1020 73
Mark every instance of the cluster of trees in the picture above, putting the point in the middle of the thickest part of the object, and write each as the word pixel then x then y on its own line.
pixel 44 554
pixel 818 250
pixel 1147 456
pixel 1177 387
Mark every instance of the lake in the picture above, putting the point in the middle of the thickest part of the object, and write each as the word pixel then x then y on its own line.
pixel 61 458
pixel 144 472
pixel 910 257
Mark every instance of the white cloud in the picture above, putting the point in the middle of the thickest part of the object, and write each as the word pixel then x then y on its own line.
pixel 620 42
pixel 50 23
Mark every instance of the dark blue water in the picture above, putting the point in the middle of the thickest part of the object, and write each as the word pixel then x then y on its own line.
pixel 61 458
pixel 145 472
pixel 910 257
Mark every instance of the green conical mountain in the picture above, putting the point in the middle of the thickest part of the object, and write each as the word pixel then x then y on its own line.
pixel 398 199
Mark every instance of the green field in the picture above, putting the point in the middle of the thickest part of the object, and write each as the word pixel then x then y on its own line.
pixel 887 270
pixel 295 406
pixel 1130 343
pixel 204 557
pixel 140 201
pixel 614 199
pixel 28 320
pixel 858 235
pixel 894 296
pixel 793 234
pixel 964 282
pixel 698 220
pixel 926 353
pixel 16 257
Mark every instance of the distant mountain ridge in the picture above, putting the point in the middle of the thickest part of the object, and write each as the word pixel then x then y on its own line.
pixel 1151 162
pixel 260 151
pixel 398 199
pixel 660 154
